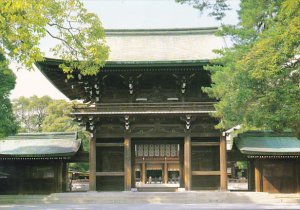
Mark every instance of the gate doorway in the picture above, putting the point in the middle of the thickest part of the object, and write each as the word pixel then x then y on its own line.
pixel 157 165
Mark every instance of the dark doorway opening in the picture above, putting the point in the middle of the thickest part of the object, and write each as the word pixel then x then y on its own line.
pixel 154 176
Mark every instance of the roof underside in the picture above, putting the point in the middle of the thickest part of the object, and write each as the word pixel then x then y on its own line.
pixel 40 145
pixel 268 145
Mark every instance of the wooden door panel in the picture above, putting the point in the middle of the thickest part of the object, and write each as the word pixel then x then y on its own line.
pixel 278 176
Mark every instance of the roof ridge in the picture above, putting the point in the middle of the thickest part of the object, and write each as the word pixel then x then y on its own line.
pixel 161 31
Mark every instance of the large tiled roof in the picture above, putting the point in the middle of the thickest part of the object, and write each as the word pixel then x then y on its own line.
pixel 163 44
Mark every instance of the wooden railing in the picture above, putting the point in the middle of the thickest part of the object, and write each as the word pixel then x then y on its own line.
pixel 146 107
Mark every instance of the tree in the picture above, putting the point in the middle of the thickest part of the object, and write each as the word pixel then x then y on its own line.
pixel 58 119
pixel 31 112
pixel 257 81
pixel 217 7
pixel 8 124
pixel 44 114
pixel 23 24
pixel 79 34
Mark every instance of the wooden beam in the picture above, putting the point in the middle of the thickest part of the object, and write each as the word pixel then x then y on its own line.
pixel 110 173
pixel 165 173
pixel 223 164
pixel 206 173
pixel 143 173
pixel 109 144
pixel 127 164
pixel 205 143
pixel 156 161
pixel 92 165
pixel 257 175
pixel 187 163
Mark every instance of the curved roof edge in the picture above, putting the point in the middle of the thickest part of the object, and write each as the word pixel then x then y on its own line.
pixel 56 144
pixel 57 61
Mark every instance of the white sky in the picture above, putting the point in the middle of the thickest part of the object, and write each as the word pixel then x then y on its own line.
pixel 123 14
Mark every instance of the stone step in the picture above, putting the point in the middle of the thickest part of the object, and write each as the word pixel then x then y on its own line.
pixel 185 197
pixel 157 189
pixel 151 198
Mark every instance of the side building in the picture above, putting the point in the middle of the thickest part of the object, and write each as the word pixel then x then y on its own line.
pixel 36 163
pixel 147 113
pixel 273 160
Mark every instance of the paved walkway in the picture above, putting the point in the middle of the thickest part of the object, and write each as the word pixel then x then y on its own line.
pixel 242 206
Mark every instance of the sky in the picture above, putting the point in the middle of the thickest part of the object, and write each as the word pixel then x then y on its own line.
pixel 122 14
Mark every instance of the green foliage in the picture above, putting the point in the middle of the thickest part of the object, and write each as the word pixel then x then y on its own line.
pixel 257 81
pixel 217 7
pixel 241 164
pixel 8 123
pixel 79 34
pixel 58 119
pixel 31 112
pixel 45 114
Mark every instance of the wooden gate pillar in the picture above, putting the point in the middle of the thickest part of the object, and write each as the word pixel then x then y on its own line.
pixel 258 176
pixel 165 173
pixel 127 164
pixel 187 163
pixel 223 164
pixel 143 175
pixel 92 165
pixel 251 179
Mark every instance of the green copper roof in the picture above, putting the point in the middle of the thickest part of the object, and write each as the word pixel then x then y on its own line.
pixel 266 143
pixel 40 145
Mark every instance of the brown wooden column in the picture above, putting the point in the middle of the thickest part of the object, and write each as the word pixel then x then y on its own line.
pixel 297 165
pixel 92 176
pixel 165 172
pixel 127 164
pixel 59 186
pixel 187 163
pixel 143 172
pixel 133 174
pixel 181 164
pixel 251 179
pixel 257 175
pixel 223 164
pixel 65 177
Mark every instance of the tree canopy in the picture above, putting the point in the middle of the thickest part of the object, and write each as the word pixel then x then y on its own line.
pixel 8 124
pixel 31 112
pixel 257 81
pixel 80 36
pixel 44 114
pixel 58 117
